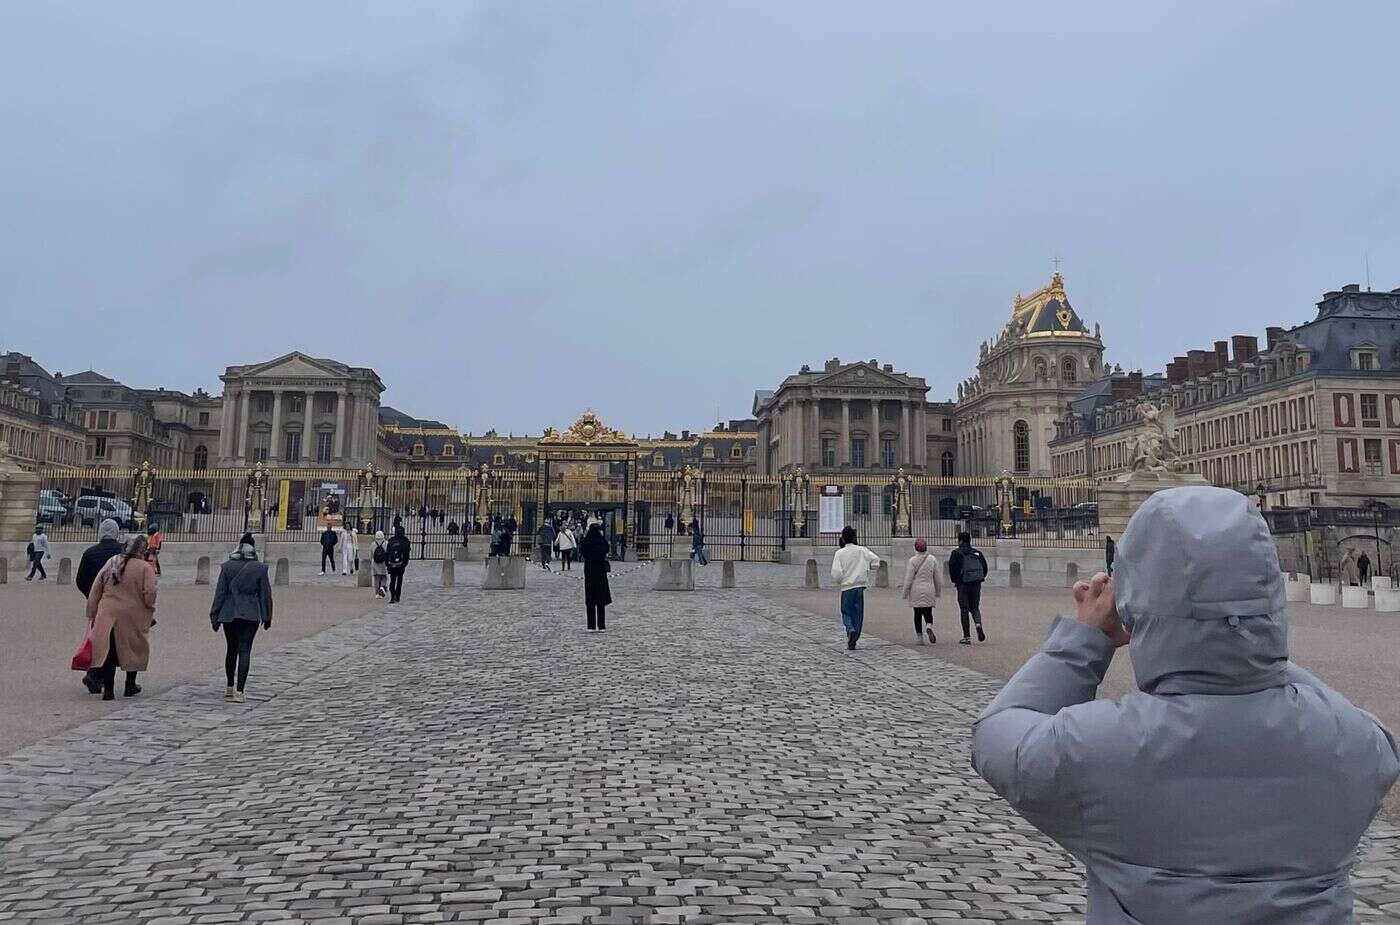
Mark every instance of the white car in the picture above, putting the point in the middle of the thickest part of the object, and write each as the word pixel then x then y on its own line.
pixel 91 510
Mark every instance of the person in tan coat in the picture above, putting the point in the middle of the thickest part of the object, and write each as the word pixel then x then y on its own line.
pixel 921 589
pixel 121 608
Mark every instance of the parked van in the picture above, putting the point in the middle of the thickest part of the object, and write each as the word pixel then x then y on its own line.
pixel 91 510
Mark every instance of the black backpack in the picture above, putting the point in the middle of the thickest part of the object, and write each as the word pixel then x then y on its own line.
pixel 973 568
pixel 380 555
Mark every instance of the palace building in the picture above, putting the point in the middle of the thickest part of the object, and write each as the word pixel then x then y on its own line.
pixel 1312 419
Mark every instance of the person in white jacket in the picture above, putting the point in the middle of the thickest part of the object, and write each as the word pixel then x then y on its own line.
pixel 850 569
pixel 349 549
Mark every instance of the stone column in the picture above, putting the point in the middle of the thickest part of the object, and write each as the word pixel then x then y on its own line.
pixel 340 426
pixel 906 435
pixel 799 443
pixel 844 457
pixel 308 434
pixel 243 426
pixel 276 438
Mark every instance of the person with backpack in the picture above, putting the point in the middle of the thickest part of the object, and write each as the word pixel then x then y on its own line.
pixel 850 569
pixel 921 589
pixel 329 539
pixel 396 556
pixel 697 543
pixel 379 568
pixel 544 540
pixel 967 568
pixel 242 601
pixel 38 549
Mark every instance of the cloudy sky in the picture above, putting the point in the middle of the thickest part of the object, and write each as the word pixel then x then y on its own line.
pixel 516 210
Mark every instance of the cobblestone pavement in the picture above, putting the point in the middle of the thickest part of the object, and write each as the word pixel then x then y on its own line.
pixel 715 757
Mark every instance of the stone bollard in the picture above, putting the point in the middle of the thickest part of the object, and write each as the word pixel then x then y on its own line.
pixel 1322 593
pixel 449 573
pixel 1014 578
pixel 1071 574
pixel 1355 598
pixel 726 576
pixel 882 575
pixel 812 583
pixel 4 571
pixel 503 573
pixel 674 575
pixel 282 573
pixel 65 571
pixel 1295 587
pixel 1387 600
pixel 201 571
pixel 365 576
pixel 1381 583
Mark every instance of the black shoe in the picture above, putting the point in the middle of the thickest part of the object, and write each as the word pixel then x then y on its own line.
pixel 965 641
pixel 131 690
pixel 981 636
pixel 108 695
pixel 92 684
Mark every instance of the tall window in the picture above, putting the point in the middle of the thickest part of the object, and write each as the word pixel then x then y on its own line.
pixel 1365 359
pixel 201 457
pixel 204 419
pixel 99 447
pixel 829 452
pixel 860 500
pixel 292 443
pixel 1021 433
pixel 1373 456
pixel 1067 370
pixel 323 447
pixel 295 401
pixel 887 452
pixel 1370 407
pixel 887 500
pixel 327 404
pixel 945 464
pixel 263 403
pixel 947 425
pixel 259 446
pixel 858 452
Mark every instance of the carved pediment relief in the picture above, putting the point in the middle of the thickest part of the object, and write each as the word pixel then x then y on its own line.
pixel 862 376
pixel 293 365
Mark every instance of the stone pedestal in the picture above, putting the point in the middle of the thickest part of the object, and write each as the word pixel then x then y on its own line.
pixel 1295 588
pixel 19 501
pixel 1323 594
pixel 503 573
pixel 798 550
pixel 449 572
pixel 478 547
pixel 674 575
pixel 1387 600
pixel 1355 598
pixel 201 570
pixel 282 573
pixel 811 581
pixel 882 575
pixel 1120 499
pixel 364 578
pixel 726 578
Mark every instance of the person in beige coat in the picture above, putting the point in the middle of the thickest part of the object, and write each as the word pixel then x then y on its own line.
pixel 921 589
pixel 121 608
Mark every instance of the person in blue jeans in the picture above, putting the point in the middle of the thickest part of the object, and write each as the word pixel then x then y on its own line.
pixel 850 569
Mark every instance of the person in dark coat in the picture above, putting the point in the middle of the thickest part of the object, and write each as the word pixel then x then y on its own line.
pixel 1363 568
pixel 967 568
pixel 697 543
pixel 94 557
pixel 544 540
pixel 397 553
pixel 242 601
pixel 328 541
pixel 1108 549
pixel 596 593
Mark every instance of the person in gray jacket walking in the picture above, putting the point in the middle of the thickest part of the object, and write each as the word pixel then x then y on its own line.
pixel 242 600
pixel 1235 786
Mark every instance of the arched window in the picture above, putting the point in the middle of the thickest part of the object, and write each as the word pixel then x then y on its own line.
pixel 1021 433
pixel 1067 370
pixel 201 457
pixel 945 464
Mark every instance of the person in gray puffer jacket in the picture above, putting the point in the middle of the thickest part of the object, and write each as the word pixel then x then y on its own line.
pixel 242 601
pixel 1235 786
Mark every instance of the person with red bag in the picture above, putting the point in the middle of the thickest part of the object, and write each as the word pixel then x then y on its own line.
pixel 121 609
pixel 94 557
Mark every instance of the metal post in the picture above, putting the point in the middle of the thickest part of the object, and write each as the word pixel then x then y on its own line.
pixel 423 522
pixel 743 514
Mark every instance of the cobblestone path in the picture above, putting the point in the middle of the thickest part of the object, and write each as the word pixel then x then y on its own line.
pixel 715 757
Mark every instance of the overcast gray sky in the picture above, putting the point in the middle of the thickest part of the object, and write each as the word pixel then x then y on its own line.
pixel 515 210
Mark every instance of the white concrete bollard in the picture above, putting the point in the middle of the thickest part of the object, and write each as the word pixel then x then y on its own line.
pixel 1355 598
pixel 1381 583
pixel 1323 593
pixel 1387 600
pixel 1295 588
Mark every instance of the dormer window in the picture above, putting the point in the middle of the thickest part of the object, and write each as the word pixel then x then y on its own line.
pixel 499 459
pixel 709 452
pixel 449 449
pixel 418 449
pixel 1365 357
pixel 658 459
pixel 737 452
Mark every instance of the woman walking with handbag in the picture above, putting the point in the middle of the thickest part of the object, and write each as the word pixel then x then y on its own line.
pixel 121 609
pixel 596 593
pixel 922 588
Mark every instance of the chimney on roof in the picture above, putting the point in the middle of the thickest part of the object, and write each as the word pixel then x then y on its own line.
pixel 685 435
pixel 1272 335
pixel 1245 348
pixel 889 367
pixel 1198 363
pixel 1129 386
pixel 832 364
pixel 1222 354
pixel 1352 287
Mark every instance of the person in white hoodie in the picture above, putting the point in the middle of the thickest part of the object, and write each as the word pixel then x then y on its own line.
pixel 850 569
pixel 349 549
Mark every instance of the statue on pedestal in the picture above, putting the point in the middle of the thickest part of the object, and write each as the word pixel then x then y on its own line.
pixel 141 497
pixel 687 494
pixel 255 500
pixel 903 507
pixel 1006 496
pixel 1154 447
pixel 483 495
pixel 366 498
pixel 799 501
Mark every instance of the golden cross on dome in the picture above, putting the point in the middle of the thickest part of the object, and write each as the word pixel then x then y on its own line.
pixel 1056 262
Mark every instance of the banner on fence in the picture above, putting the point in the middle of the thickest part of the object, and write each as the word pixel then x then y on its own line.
pixel 831 512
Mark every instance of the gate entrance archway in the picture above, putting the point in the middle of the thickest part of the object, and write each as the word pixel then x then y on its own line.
pixel 589 471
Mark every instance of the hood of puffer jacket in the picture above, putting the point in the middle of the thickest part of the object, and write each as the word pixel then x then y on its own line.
pixel 1197 582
